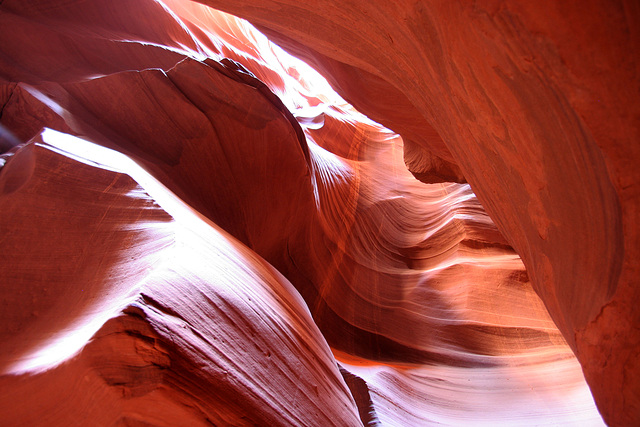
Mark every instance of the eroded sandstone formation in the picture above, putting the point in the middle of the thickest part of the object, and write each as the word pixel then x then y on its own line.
pixel 247 248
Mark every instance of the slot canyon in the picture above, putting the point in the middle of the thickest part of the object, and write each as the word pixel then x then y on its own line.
pixel 321 213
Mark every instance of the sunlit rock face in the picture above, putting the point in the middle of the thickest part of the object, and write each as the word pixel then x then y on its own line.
pixel 247 248
pixel 537 103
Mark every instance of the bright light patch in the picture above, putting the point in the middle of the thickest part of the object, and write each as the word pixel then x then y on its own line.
pixel 189 226
pixel 67 343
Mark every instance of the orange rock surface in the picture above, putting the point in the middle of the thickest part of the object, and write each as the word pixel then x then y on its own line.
pixel 197 230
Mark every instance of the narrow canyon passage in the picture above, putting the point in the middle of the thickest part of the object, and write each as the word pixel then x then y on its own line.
pixel 198 230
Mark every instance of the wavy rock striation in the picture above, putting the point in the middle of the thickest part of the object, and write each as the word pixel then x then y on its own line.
pixel 149 312
pixel 229 242
pixel 537 104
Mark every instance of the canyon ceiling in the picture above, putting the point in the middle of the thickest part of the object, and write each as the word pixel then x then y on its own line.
pixel 196 230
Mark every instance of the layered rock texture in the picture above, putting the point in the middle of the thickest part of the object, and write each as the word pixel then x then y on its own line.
pixel 197 230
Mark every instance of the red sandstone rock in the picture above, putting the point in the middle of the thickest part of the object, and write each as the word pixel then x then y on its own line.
pixel 412 285
pixel 537 103
pixel 149 312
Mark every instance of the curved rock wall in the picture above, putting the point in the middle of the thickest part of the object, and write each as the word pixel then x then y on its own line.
pixel 425 305
pixel 537 103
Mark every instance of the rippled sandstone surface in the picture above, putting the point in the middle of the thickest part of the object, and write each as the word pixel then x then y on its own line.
pixel 197 232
